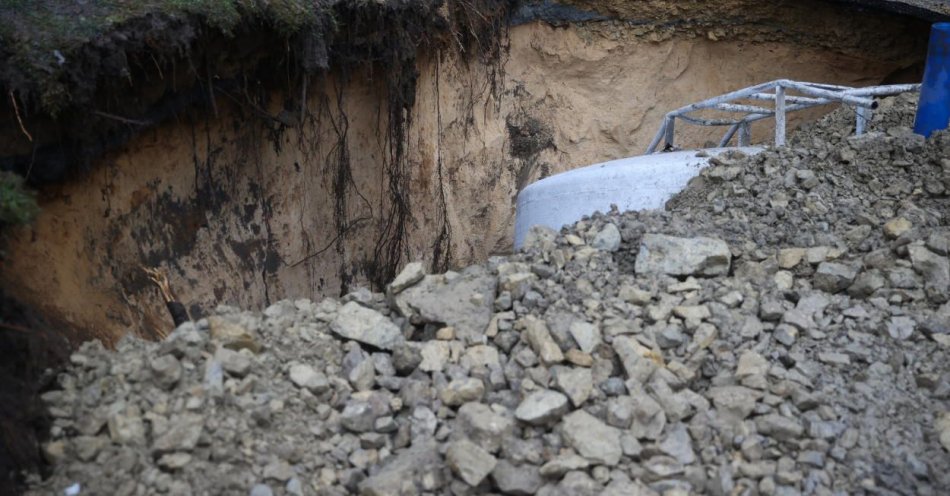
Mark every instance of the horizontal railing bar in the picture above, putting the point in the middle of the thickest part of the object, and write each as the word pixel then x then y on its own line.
pixel 884 90
pixel 749 109
pixel 791 99
pixel 812 95
pixel 708 122
pixel 831 95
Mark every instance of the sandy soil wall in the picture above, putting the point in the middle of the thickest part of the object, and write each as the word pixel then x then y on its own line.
pixel 254 204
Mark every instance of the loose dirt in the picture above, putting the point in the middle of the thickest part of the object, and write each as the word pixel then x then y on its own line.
pixel 782 329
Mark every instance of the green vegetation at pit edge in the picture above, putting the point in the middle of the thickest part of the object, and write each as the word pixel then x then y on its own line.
pixel 38 36
pixel 17 203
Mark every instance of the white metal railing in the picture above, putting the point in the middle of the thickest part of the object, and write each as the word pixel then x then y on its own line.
pixel 808 95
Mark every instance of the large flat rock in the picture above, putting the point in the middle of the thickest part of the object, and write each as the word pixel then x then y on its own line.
pixel 463 301
pixel 661 254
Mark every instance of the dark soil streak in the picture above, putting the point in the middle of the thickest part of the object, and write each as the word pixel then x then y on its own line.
pixel 442 248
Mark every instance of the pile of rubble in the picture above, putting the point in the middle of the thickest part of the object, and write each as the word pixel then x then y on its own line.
pixel 783 329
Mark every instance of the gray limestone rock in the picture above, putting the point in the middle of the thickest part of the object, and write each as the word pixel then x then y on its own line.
pixel 519 480
pixel 934 268
pixel 182 435
pixel 867 283
pixel 359 369
pixel 235 363
pixel 483 426
pixel 939 243
pixel 833 277
pixel 537 335
pixel 579 483
pixel 540 238
pixel 678 444
pixel 670 336
pixel 469 461
pixel 412 273
pixel 586 335
pixel 423 423
pixel 261 490
pixel 942 427
pixel 593 439
pixel 174 461
pixel 779 427
pixel 278 470
pixel 620 411
pixel 901 327
pixel 125 425
pixel 648 416
pixel 366 326
pixel 463 301
pixel 166 371
pixel 403 474
pixel 576 382
pixel 462 391
pixel 661 254
pixel 304 376
pixel 362 410
pixel 542 407
pixel 798 319
pixel 406 358
pixel 637 360
pixel 608 239
pixel 563 464
pixel 752 369
pixel 734 403
pixel 232 335
pixel 896 227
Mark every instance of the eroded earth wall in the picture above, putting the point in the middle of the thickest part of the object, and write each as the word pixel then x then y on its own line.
pixel 249 204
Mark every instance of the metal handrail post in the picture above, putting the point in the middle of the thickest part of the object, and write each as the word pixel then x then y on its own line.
pixel 745 133
pixel 670 131
pixel 658 137
pixel 820 93
pixel 776 91
pixel 729 134
pixel 893 89
pixel 863 117
pixel 780 115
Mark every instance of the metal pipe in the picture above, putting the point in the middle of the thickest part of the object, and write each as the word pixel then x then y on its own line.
pixel 863 118
pixel 729 134
pixel 735 95
pixel 828 86
pixel 817 94
pixel 780 116
pixel 670 132
pixel 788 108
pixel 791 99
pixel 708 122
pixel 745 134
pixel 840 96
pixel 894 89
pixel 730 107
pixel 656 139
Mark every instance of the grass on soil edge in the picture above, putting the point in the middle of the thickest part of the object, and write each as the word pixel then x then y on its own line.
pixel 40 36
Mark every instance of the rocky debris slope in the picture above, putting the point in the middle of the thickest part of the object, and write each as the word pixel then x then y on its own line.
pixel 782 330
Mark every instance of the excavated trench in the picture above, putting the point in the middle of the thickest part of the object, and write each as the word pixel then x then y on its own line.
pixel 250 186
pixel 306 190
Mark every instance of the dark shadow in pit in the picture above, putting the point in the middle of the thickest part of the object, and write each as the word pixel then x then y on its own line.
pixel 30 353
